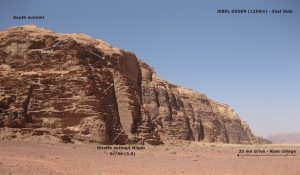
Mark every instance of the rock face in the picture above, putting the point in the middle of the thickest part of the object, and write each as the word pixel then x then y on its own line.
pixel 77 88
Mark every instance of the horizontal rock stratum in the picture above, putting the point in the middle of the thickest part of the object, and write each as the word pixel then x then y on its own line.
pixel 76 88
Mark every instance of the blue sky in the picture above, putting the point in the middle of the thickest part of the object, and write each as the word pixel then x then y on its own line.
pixel 248 61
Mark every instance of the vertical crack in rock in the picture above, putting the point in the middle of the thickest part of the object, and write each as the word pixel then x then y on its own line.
pixel 200 131
pixel 26 104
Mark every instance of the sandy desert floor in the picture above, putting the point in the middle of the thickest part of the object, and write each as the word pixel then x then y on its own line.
pixel 35 158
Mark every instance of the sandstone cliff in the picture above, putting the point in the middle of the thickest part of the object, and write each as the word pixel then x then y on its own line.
pixel 76 88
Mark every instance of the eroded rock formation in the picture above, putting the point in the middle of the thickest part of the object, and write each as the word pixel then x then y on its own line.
pixel 77 88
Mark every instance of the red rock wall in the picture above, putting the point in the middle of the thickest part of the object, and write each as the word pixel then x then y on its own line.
pixel 79 89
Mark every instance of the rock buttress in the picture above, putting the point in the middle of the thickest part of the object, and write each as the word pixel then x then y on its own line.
pixel 64 92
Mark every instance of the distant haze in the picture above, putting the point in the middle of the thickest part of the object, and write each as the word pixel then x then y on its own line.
pixel 290 137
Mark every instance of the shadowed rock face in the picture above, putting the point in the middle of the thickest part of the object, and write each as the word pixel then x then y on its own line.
pixel 76 88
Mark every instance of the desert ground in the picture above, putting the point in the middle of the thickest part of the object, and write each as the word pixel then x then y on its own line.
pixel 35 158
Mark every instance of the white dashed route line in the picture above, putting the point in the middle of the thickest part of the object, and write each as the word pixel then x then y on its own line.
pixel 96 55
pixel 117 136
